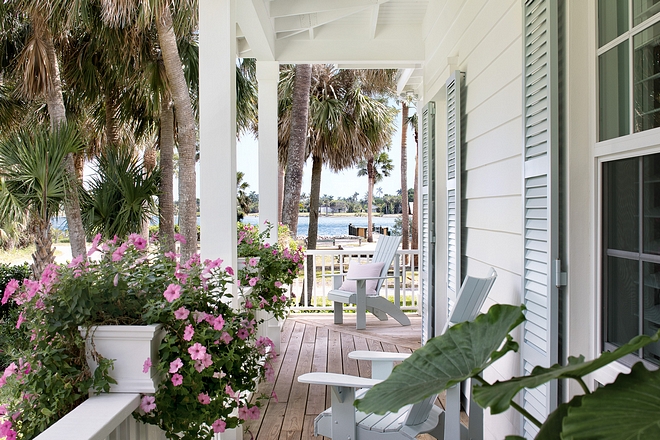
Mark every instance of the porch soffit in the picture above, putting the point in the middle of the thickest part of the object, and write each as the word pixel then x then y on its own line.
pixel 350 33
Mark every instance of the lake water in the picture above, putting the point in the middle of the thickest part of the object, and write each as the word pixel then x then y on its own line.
pixel 328 226
pixel 333 226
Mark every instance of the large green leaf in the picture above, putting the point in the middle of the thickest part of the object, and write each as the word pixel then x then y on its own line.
pixel 629 408
pixel 461 352
pixel 551 429
pixel 499 395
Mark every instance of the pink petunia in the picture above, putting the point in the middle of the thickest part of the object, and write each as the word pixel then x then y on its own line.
pixel 204 363
pixel 76 261
pixel 118 254
pixel 177 380
pixel 253 262
pixel 138 241
pixel 115 280
pixel 273 395
pixel 95 243
pixel 226 337
pixel 20 320
pixel 204 398
pixel 170 255
pixel 218 323
pixel 180 238
pixel 148 404
pixel 11 287
pixel 172 292
pixel 278 284
pixel 146 366
pixel 242 333
pixel 253 281
pixel 175 365
pixel 182 313
pixel 197 351
pixel 188 333
pixel 229 270
pixel 219 426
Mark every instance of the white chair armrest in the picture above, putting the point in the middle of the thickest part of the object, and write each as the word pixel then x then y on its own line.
pixel 364 355
pixel 337 380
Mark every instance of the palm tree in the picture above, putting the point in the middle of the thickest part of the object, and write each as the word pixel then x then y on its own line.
pixel 375 168
pixel 296 146
pixel 34 181
pixel 412 123
pixel 242 198
pixel 405 228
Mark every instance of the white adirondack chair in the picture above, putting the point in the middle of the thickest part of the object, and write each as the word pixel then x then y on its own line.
pixel 342 421
pixel 378 305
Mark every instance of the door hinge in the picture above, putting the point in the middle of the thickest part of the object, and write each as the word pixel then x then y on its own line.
pixel 561 278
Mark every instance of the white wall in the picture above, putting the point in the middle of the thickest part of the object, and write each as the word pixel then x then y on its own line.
pixel 483 39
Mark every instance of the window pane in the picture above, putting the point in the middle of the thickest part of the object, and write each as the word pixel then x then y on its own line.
pixel 646 62
pixel 612 20
pixel 621 204
pixel 643 9
pixel 622 300
pixel 652 308
pixel 614 108
pixel 652 204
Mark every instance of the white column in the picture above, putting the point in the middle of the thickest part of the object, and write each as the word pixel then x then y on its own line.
pixel 268 74
pixel 217 129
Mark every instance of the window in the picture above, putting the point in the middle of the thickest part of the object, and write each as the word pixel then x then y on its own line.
pixel 631 260
pixel 629 42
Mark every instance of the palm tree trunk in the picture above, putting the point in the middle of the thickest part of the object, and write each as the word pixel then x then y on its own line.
pixel 185 121
pixel 43 254
pixel 57 112
pixel 166 196
pixel 405 219
pixel 415 214
pixel 296 154
pixel 313 231
pixel 280 191
pixel 370 199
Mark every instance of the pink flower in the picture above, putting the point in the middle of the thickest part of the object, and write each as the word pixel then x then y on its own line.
pixel 263 303
pixel 197 351
pixel 172 292
pixel 11 287
pixel 175 365
pixel 253 262
pixel 219 426
pixel 273 395
pixel 229 270
pixel 188 333
pixel 148 404
pixel 76 261
pixel 180 238
pixel 138 241
pixel 146 366
pixel 206 362
pixel 170 255
pixel 226 337
pixel 95 243
pixel 177 380
pixel 182 313
pixel 203 398
pixel 248 304
pixel 283 298
pixel 242 333
pixel 218 323
pixel 199 316
pixel 278 284
pixel 118 254
pixel 253 281
pixel 275 298
pixel 115 280
pixel 248 414
pixel 20 320
pixel 269 372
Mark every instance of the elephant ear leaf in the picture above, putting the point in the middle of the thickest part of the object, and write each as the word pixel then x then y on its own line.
pixel 551 429
pixel 499 395
pixel 463 351
pixel 624 409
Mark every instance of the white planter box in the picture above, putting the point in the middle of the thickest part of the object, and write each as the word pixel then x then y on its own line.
pixel 129 346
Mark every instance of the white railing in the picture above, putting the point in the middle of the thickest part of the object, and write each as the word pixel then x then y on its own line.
pixel 330 262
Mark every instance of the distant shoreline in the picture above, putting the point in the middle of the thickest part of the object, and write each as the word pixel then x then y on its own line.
pixel 340 214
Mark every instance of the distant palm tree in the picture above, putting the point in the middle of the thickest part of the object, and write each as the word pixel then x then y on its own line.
pixel 412 123
pixel 375 168
pixel 34 181
pixel 405 228
pixel 242 197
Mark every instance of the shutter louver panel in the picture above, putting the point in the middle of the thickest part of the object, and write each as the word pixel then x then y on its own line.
pixel 427 221
pixel 540 203
pixel 453 187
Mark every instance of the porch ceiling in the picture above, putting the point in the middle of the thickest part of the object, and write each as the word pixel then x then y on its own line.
pixel 349 33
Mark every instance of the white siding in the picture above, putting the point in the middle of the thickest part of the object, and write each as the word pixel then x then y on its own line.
pixel 483 39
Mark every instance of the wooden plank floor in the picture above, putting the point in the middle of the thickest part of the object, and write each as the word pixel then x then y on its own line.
pixel 311 342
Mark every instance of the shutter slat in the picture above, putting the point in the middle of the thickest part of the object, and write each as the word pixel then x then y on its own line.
pixel 427 221
pixel 540 234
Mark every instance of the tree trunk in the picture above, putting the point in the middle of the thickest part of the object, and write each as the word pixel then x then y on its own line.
pixel 415 213
pixel 280 192
pixel 57 112
pixel 296 154
pixel 370 199
pixel 149 161
pixel 185 122
pixel 405 219
pixel 313 231
pixel 166 196
pixel 43 254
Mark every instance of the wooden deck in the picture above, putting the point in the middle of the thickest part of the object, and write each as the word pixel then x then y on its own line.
pixel 311 342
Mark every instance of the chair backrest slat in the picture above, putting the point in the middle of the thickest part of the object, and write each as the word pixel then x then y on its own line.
pixel 385 252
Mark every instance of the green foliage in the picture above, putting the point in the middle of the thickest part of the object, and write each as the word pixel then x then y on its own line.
pixel 624 409
pixel 269 268
pixel 215 346
pixel 121 197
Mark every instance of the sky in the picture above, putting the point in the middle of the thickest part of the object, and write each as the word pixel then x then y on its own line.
pixel 343 184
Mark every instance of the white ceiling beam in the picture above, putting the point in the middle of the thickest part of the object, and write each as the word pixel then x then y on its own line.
pixel 402 79
pixel 284 8
pixel 374 21
pixel 306 21
pixel 255 24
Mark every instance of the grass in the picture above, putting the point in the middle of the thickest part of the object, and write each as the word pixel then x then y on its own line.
pixel 17 256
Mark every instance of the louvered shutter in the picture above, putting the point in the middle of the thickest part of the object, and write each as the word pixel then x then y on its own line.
pixel 453 187
pixel 540 198
pixel 427 229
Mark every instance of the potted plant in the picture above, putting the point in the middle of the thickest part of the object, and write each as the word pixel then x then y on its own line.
pixel 209 361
